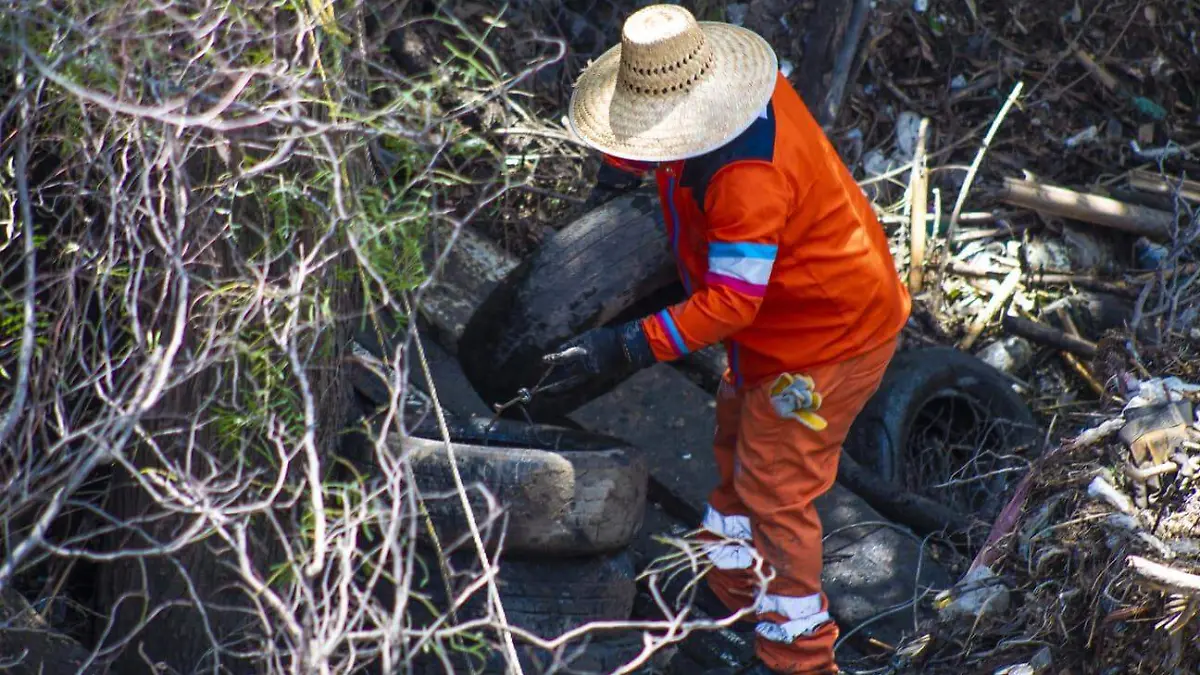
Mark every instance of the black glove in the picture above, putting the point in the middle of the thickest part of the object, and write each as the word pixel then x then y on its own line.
pixel 600 351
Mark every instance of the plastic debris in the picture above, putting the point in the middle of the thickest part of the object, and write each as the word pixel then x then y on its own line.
pixel 1156 391
pixel 1149 255
pixel 1101 489
pixel 908 126
pixel 980 593
pixel 1086 136
pixel 920 6
pixel 1040 663
pixel 1008 355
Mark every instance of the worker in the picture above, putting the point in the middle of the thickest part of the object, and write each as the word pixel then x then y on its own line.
pixel 784 262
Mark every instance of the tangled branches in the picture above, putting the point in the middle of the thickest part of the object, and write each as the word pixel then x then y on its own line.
pixel 202 200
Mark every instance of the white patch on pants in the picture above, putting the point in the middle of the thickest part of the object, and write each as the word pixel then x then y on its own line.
pixel 804 616
pixel 728 556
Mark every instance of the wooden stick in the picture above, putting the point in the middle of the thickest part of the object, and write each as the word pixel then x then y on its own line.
pixel 963 237
pixel 1097 71
pixel 974 168
pixel 918 196
pixel 1090 283
pixel 1143 475
pixel 973 217
pixel 1152 182
pixel 1182 270
pixel 1162 575
pixel 1073 361
pixel 1088 208
pixel 982 84
pixel 1043 334
pixel 1006 290
pixel 951 230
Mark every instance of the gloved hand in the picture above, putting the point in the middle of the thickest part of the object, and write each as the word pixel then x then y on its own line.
pixel 600 351
pixel 795 397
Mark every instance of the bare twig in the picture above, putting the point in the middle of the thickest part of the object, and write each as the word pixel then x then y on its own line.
pixel 985 316
pixel 917 195
pixel 1164 576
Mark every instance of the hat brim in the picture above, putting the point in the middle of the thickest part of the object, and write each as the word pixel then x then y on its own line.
pixel 677 126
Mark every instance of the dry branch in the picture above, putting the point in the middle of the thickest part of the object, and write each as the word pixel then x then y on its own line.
pixel 1073 361
pixel 1164 575
pixel 1052 279
pixel 1154 183
pixel 1047 335
pixel 1002 295
pixel 918 205
pixel 1088 208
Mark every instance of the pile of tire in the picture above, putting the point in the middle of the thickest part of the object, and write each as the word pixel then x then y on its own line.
pixel 614 264
pixel 569 503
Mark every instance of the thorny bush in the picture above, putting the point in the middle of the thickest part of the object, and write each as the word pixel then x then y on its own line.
pixel 201 200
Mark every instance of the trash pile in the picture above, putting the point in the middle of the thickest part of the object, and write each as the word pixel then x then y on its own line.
pixel 1050 229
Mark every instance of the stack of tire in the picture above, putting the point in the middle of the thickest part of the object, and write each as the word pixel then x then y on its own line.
pixel 614 264
pixel 570 503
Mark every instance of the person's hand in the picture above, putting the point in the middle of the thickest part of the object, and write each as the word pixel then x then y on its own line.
pixel 600 351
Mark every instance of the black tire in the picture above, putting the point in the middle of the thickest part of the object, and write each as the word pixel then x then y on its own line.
pixel 588 274
pixel 547 596
pixel 597 654
pixel 972 405
pixel 564 492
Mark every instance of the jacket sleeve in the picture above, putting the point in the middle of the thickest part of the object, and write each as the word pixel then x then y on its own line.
pixel 746 207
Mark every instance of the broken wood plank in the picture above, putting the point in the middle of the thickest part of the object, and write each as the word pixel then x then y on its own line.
pixel 1088 208
pixel 981 321
pixel 1047 335
pixel 1156 184
pixel 918 195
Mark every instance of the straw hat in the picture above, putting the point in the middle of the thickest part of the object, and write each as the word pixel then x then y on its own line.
pixel 674 88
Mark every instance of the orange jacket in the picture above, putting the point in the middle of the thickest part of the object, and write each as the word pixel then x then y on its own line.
pixel 779 251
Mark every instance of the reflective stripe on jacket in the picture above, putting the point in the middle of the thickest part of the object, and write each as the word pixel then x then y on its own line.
pixel 779 250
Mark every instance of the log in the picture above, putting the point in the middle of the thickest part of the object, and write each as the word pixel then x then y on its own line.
pixel 1047 335
pixel 1088 208
pixel 1165 576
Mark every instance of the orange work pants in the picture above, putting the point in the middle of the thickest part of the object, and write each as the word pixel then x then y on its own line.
pixel 771 471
